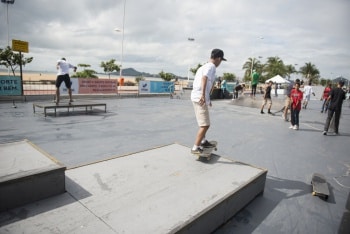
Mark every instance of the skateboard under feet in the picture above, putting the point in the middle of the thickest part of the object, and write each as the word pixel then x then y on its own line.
pixel 207 152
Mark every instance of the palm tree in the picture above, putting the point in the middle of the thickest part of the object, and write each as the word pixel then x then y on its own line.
pixel 250 65
pixel 310 72
pixel 275 66
pixel 290 70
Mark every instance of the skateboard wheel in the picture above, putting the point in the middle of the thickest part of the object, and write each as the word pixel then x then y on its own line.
pixel 313 194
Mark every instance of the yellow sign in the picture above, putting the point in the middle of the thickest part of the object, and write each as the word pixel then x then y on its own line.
pixel 20 46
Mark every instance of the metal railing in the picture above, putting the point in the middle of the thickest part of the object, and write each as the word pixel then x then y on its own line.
pixel 41 87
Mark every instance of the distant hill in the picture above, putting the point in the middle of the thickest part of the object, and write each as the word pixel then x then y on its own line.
pixel 133 72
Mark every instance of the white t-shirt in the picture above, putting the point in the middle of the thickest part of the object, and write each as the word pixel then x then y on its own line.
pixel 207 70
pixel 63 67
pixel 308 90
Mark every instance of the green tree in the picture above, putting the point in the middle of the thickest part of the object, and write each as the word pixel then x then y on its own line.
pixel 86 73
pixel 109 67
pixel 290 69
pixel 324 81
pixel 194 70
pixel 166 76
pixel 310 72
pixel 249 66
pixel 139 78
pixel 12 60
pixel 273 67
pixel 229 76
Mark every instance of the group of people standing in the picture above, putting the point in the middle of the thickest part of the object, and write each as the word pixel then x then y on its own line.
pixel 332 101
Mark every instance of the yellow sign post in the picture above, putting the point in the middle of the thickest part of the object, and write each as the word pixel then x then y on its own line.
pixel 20 46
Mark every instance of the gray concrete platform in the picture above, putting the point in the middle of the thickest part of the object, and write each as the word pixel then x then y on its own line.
pixel 27 174
pixel 162 190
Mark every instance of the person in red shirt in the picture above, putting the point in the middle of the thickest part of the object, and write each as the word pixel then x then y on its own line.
pixel 325 97
pixel 296 96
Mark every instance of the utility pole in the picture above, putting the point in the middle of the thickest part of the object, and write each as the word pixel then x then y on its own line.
pixel 7 2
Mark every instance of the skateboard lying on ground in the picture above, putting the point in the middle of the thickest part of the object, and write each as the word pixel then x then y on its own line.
pixel 207 151
pixel 319 186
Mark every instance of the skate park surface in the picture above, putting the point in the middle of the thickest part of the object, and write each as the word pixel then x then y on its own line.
pixel 134 125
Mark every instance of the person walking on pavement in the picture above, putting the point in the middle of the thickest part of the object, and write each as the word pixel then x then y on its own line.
pixel 296 98
pixel 307 91
pixel 267 99
pixel 63 76
pixel 325 97
pixel 276 88
pixel 254 83
pixel 200 97
pixel 335 99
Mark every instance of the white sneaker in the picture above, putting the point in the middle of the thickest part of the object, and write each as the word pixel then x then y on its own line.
pixel 296 127
pixel 291 127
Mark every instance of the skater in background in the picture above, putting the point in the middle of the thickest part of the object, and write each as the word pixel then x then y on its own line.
pixel 223 88
pixel 254 83
pixel 267 99
pixel 63 76
pixel 241 88
pixel 307 94
pixel 335 98
pixel 276 88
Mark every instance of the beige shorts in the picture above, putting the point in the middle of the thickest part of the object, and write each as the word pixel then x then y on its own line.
pixel 267 100
pixel 202 114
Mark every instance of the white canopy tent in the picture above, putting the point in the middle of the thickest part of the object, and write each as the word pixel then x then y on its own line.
pixel 278 79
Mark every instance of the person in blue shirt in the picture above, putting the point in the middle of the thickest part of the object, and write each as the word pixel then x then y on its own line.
pixel 223 88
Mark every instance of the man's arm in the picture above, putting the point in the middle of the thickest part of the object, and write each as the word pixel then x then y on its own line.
pixel 203 88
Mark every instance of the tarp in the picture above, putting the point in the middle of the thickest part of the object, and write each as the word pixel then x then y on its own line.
pixel 278 79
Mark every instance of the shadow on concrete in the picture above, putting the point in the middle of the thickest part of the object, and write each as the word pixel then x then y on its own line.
pixel 43 206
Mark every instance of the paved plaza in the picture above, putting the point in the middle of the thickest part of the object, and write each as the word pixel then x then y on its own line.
pixel 137 124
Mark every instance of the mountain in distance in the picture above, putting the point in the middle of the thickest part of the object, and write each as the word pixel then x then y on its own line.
pixel 133 72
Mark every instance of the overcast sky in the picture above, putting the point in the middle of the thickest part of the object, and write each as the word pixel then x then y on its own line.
pixel 156 33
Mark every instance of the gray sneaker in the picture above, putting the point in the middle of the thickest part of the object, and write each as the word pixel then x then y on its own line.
pixel 207 144
pixel 196 151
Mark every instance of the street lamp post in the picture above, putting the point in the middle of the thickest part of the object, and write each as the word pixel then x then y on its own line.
pixel 7 15
pixel 252 63
pixel 122 52
pixel 188 70
pixel 122 31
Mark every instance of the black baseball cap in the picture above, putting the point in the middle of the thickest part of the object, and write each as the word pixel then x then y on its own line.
pixel 217 53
